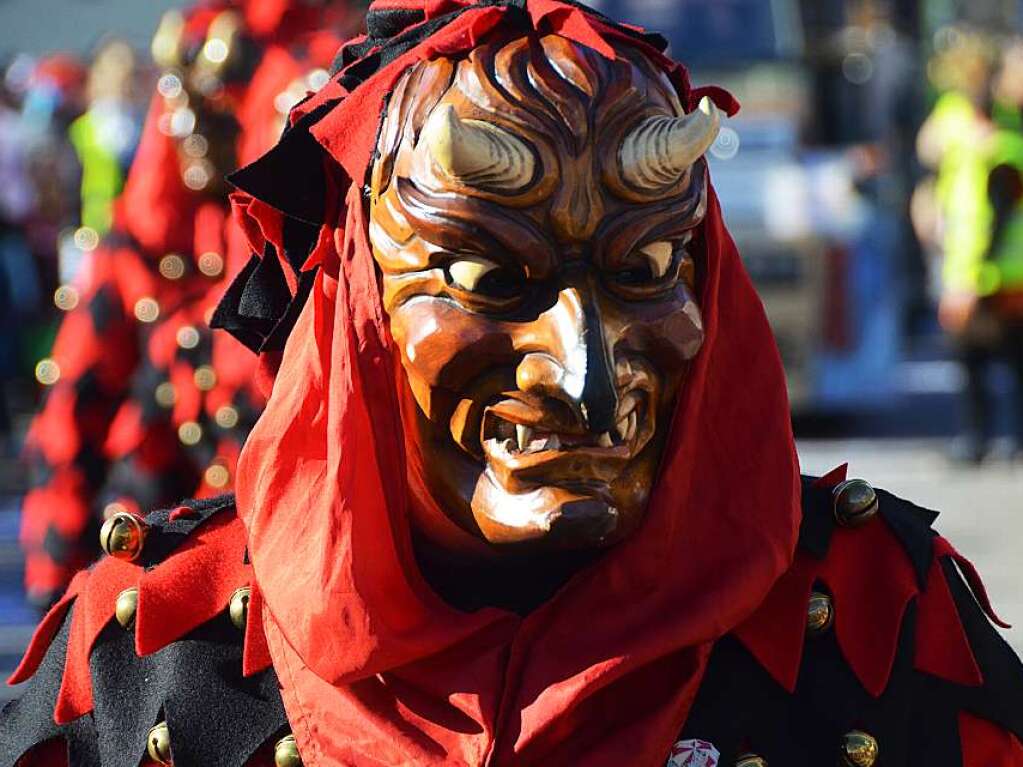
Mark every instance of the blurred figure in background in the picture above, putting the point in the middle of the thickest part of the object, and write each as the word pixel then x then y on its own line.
pixel 145 405
pixel 973 140
pixel 19 280
pixel 53 100
pixel 106 135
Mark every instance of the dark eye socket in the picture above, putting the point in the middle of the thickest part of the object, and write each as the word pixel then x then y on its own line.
pixel 634 276
pixel 501 283
pixel 648 271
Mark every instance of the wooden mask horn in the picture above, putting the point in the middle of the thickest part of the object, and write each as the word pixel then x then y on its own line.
pixel 477 153
pixel 659 151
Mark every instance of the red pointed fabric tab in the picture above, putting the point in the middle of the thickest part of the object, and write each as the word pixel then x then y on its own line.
pixel 261 223
pixel 776 632
pixel 435 8
pixel 181 512
pixel 93 610
pixel 462 37
pixel 872 582
pixel 187 396
pixel 722 99
pixel 209 229
pixel 987 745
pixel 192 585
pixel 324 253
pixel 943 548
pixel 52 753
pixel 46 631
pixel 833 478
pixel 240 202
pixel 256 655
pixel 870 603
pixel 942 648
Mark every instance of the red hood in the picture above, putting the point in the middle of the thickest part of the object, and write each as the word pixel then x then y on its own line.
pixel 376 668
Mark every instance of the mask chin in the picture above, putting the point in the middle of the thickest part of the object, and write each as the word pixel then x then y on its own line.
pixel 545 517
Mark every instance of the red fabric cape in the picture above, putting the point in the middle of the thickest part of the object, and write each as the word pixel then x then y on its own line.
pixel 376 669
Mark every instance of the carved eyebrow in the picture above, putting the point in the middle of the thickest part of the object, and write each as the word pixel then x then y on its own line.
pixel 620 234
pixel 479 227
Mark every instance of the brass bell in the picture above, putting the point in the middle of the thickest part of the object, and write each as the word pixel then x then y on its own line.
pixel 820 613
pixel 855 503
pixel 238 608
pixel 158 744
pixel 751 760
pixel 286 752
pixel 859 749
pixel 123 535
pixel 125 607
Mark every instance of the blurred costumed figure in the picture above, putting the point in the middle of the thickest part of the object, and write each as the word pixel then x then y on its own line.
pixel 144 406
pixel 973 140
pixel 105 136
pixel 53 99
pixel 20 295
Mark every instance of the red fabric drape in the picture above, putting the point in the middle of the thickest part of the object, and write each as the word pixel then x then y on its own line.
pixel 375 668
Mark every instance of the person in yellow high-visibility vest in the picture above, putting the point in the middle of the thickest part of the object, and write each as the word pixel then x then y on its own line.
pixel 980 192
pixel 104 137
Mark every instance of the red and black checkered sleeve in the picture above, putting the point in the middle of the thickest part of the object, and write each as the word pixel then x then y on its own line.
pixel 87 377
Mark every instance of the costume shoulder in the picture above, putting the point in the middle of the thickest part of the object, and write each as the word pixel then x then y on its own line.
pixel 157 648
pixel 876 647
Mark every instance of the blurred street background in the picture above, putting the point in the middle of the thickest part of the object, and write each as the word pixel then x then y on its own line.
pixel 838 200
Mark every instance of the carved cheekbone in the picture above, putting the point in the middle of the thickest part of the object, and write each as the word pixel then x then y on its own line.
pixel 661 149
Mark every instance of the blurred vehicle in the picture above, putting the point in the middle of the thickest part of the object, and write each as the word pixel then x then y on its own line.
pixel 813 243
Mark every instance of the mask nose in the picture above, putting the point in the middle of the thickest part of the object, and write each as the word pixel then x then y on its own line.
pixel 567 359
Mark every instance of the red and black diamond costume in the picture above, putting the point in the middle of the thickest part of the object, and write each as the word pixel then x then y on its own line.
pixel 756 617
pixel 146 406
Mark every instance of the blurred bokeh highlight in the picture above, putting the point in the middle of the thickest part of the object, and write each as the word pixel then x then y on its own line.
pixel 873 181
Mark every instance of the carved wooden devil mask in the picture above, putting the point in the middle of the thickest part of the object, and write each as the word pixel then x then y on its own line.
pixel 532 213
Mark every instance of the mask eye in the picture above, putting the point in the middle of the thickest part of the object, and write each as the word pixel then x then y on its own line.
pixel 650 269
pixel 484 278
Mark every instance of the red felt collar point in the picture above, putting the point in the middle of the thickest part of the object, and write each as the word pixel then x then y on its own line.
pixel 169 605
pixel 987 745
pixel 833 478
pixel 942 648
pixel 976 583
pixel 870 604
pixel 94 609
pixel 46 631
pixel 775 633
pixel 256 656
